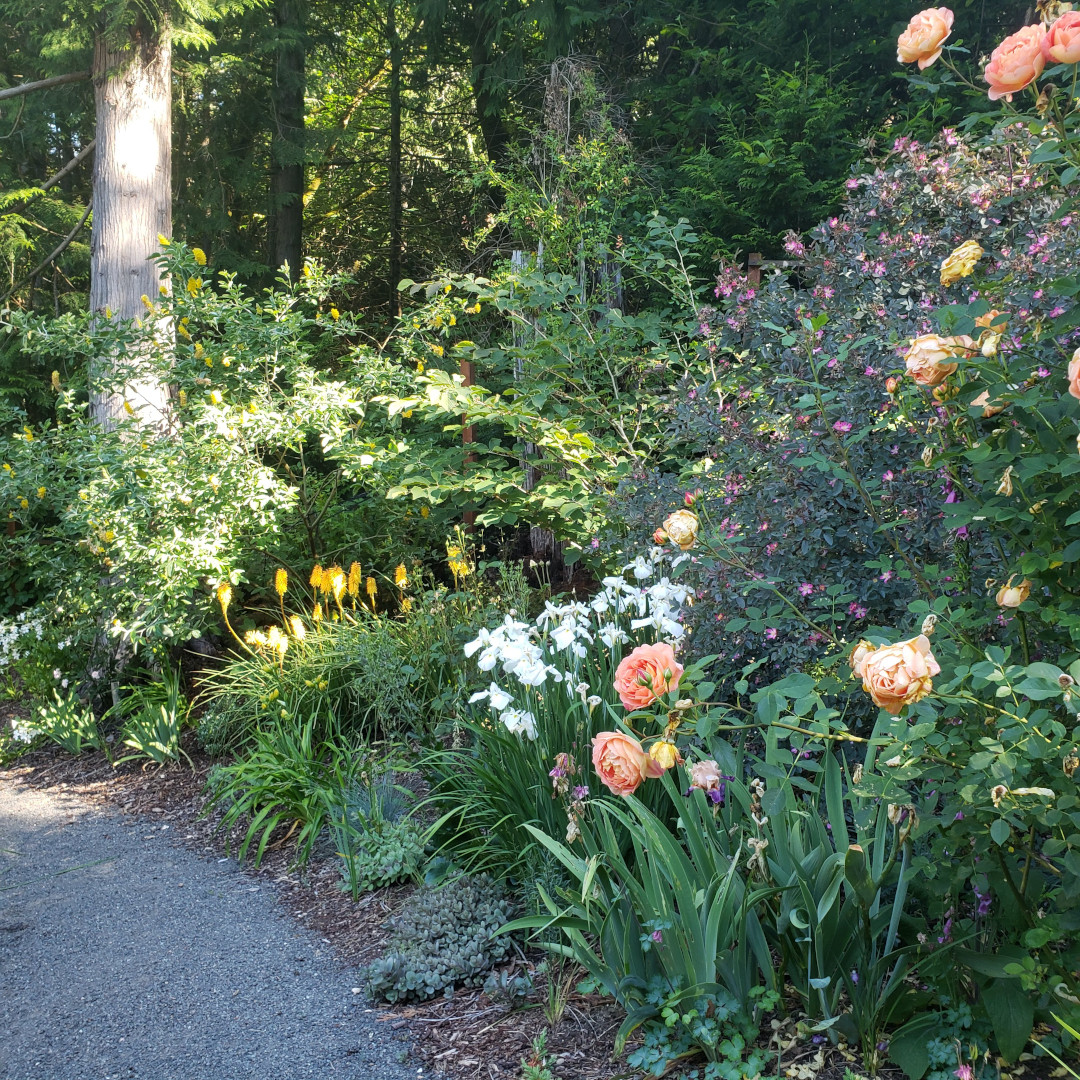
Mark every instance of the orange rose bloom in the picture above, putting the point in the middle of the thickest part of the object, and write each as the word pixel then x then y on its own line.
pixel 1062 42
pixel 648 673
pixel 993 318
pixel 929 359
pixel 1016 62
pixel 1074 374
pixel 896 675
pixel 621 762
pixel 924 36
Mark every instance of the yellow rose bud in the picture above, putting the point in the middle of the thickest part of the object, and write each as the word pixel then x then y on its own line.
pixel 664 753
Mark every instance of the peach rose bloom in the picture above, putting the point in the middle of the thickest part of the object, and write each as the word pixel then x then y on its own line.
pixel 682 528
pixel 648 673
pixel 1074 374
pixel 859 655
pixel 924 36
pixel 900 674
pixel 621 762
pixel 1016 62
pixel 1062 42
pixel 995 319
pixel 988 408
pixel 929 359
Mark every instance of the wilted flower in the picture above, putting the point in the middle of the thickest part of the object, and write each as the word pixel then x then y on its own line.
pixel 1012 596
pixel 998 793
pixel 927 455
pixel 1005 485
pixel 1070 765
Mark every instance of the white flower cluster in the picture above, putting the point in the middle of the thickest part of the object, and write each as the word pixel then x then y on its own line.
pixel 22 731
pixel 12 632
pixel 525 651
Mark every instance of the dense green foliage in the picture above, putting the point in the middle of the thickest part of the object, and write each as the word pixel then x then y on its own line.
pixel 726 623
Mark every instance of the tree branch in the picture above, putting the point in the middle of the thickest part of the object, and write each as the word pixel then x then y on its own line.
pixel 43 84
pixel 72 164
pixel 55 254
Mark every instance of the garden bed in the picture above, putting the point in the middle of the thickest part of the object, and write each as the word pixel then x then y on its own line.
pixel 465 1036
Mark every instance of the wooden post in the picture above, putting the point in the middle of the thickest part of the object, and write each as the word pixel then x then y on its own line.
pixel 468 434
pixel 754 263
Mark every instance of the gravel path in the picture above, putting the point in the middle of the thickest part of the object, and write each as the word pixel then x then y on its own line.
pixel 125 955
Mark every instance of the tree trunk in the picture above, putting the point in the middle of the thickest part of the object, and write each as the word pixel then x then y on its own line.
pixel 490 100
pixel 132 201
pixel 287 141
pixel 394 39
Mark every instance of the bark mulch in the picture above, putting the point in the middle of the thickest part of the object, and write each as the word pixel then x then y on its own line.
pixel 467 1036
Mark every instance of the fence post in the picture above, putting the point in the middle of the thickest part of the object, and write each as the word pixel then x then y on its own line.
pixel 754 263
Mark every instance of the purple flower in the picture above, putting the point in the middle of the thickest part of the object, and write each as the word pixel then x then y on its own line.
pixel 770 633
pixel 842 425
pixel 657 936
pixel 854 977
pixel 806 589
pixel 581 792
